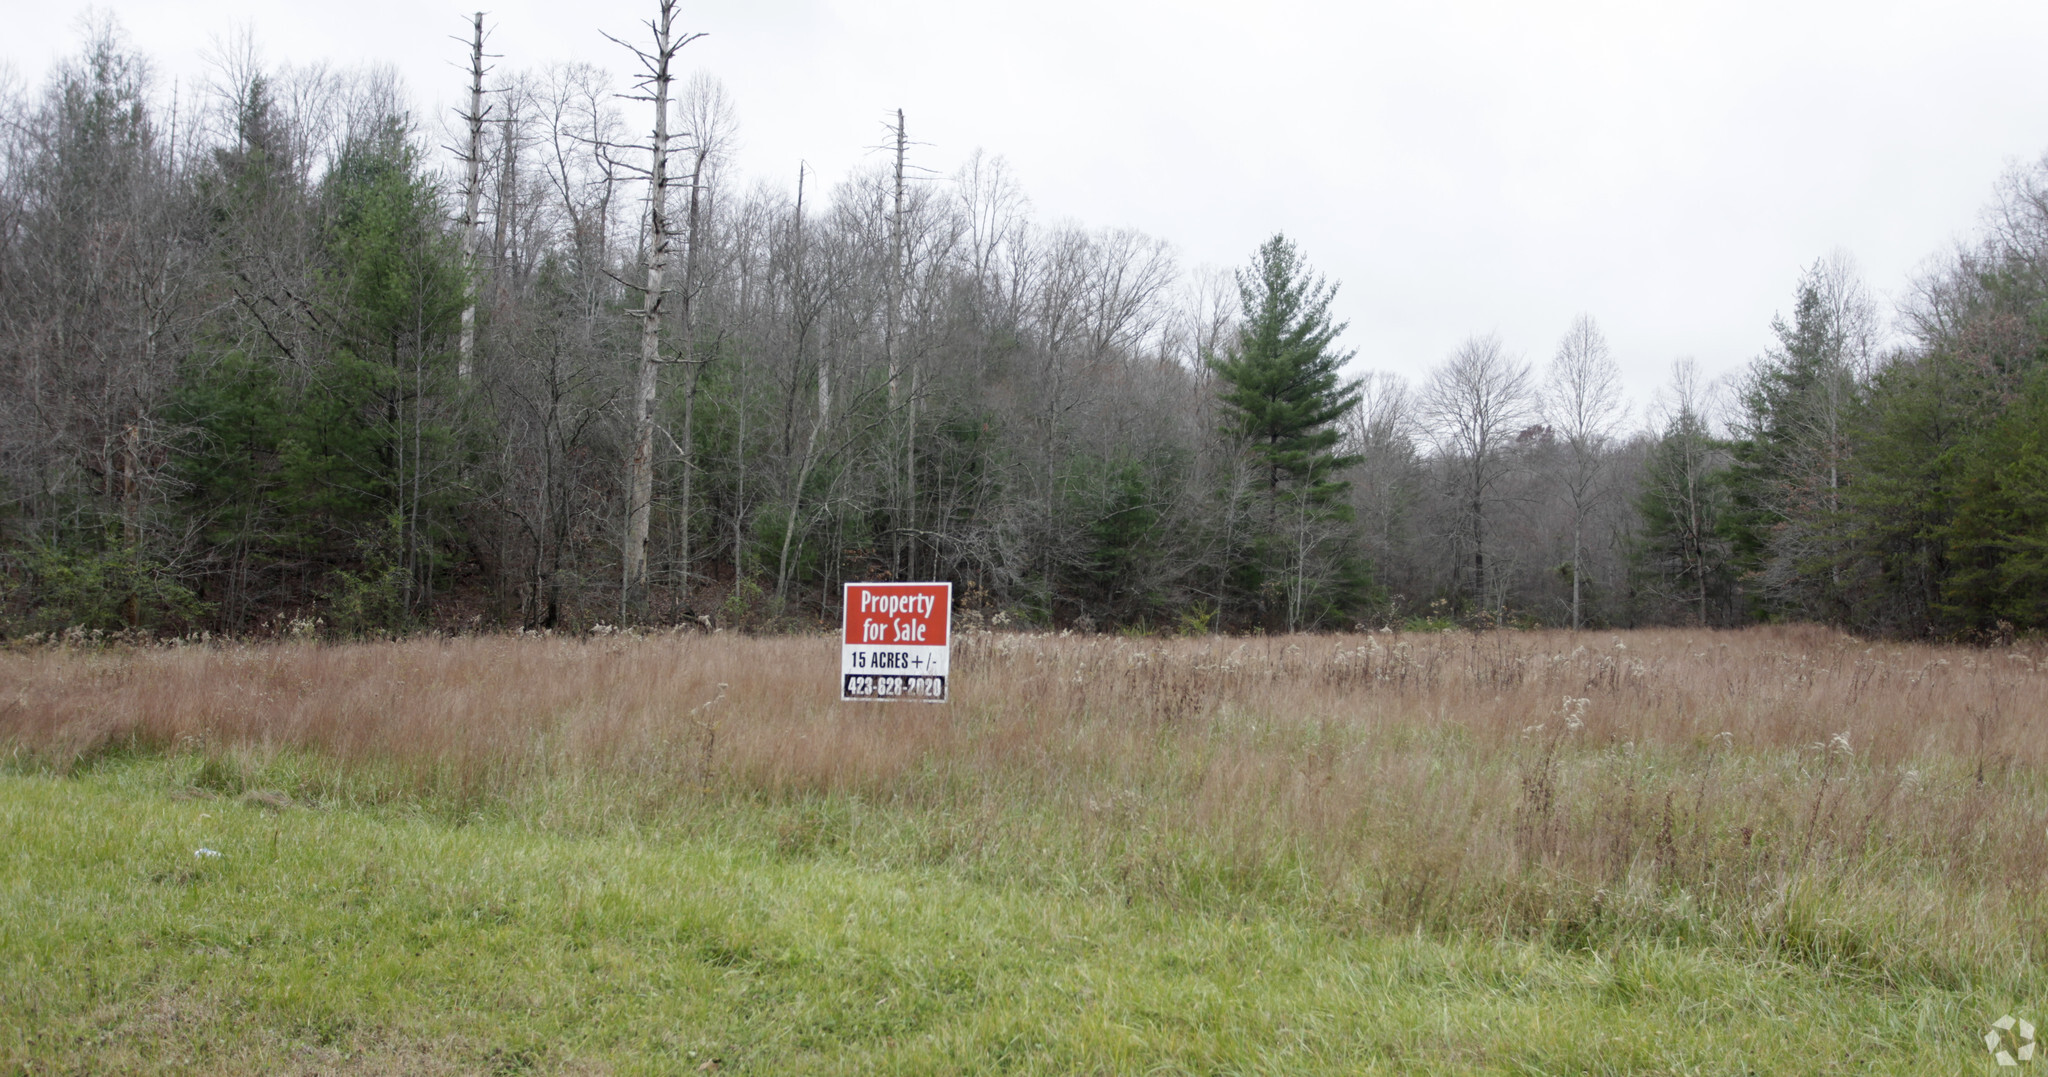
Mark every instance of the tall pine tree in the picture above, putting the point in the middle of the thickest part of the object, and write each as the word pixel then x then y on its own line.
pixel 1283 394
pixel 1283 389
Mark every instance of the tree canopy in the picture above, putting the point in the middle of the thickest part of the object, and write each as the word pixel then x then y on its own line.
pixel 277 374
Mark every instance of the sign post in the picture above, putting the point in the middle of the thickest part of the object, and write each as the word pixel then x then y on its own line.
pixel 895 641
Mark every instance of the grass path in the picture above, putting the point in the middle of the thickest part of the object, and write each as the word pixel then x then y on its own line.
pixel 382 941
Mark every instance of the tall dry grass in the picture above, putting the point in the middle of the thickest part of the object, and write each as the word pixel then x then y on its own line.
pixel 1873 806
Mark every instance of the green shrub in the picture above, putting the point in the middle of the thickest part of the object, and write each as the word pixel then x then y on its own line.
pixel 104 588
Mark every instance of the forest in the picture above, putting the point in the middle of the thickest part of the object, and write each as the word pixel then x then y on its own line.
pixel 286 357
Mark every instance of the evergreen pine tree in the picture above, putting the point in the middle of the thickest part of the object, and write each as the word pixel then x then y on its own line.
pixel 1283 394
pixel 1792 449
pixel 1281 383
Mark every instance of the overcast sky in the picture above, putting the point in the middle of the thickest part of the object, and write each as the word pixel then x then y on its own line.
pixel 1460 167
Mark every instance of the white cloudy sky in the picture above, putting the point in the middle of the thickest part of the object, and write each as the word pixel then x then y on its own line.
pixel 1461 167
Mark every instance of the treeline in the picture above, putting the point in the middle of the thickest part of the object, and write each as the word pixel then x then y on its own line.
pixel 269 367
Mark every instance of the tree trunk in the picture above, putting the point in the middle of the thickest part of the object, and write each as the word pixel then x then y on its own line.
pixel 504 233
pixel 472 197
pixel 686 447
pixel 1577 529
pixel 640 467
pixel 803 474
pixel 1479 547
pixel 895 268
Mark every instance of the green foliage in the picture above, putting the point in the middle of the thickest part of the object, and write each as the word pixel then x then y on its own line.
pixel 251 177
pixel 101 586
pixel 1998 542
pixel 1338 587
pixel 233 415
pixel 745 606
pixel 1784 519
pixel 340 456
pixel 294 460
pixel 1682 555
pixel 1283 394
pixel 1283 389
pixel 1944 509
pixel 1914 438
pixel 1115 574
pixel 374 600
pixel 369 431
pixel 1440 618
pixel 1197 620
pixel 396 279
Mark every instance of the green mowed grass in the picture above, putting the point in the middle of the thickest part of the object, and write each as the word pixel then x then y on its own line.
pixel 388 940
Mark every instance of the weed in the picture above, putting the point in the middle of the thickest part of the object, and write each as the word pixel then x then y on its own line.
pixel 1691 785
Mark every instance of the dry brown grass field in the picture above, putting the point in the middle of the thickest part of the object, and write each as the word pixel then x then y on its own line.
pixel 1865 805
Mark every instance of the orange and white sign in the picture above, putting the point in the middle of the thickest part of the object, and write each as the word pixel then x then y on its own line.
pixel 895 642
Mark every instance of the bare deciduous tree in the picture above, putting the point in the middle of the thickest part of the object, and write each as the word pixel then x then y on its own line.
pixel 655 83
pixel 1582 404
pixel 1684 544
pixel 1380 431
pixel 709 128
pixel 1473 406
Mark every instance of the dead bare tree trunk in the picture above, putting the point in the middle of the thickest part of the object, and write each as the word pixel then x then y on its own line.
pixel 892 347
pixel 656 83
pixel 503 234
pixel 895 311
pixel 472 196
pixel 810 454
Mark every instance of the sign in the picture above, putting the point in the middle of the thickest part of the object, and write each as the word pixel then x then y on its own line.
pixel 895 643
